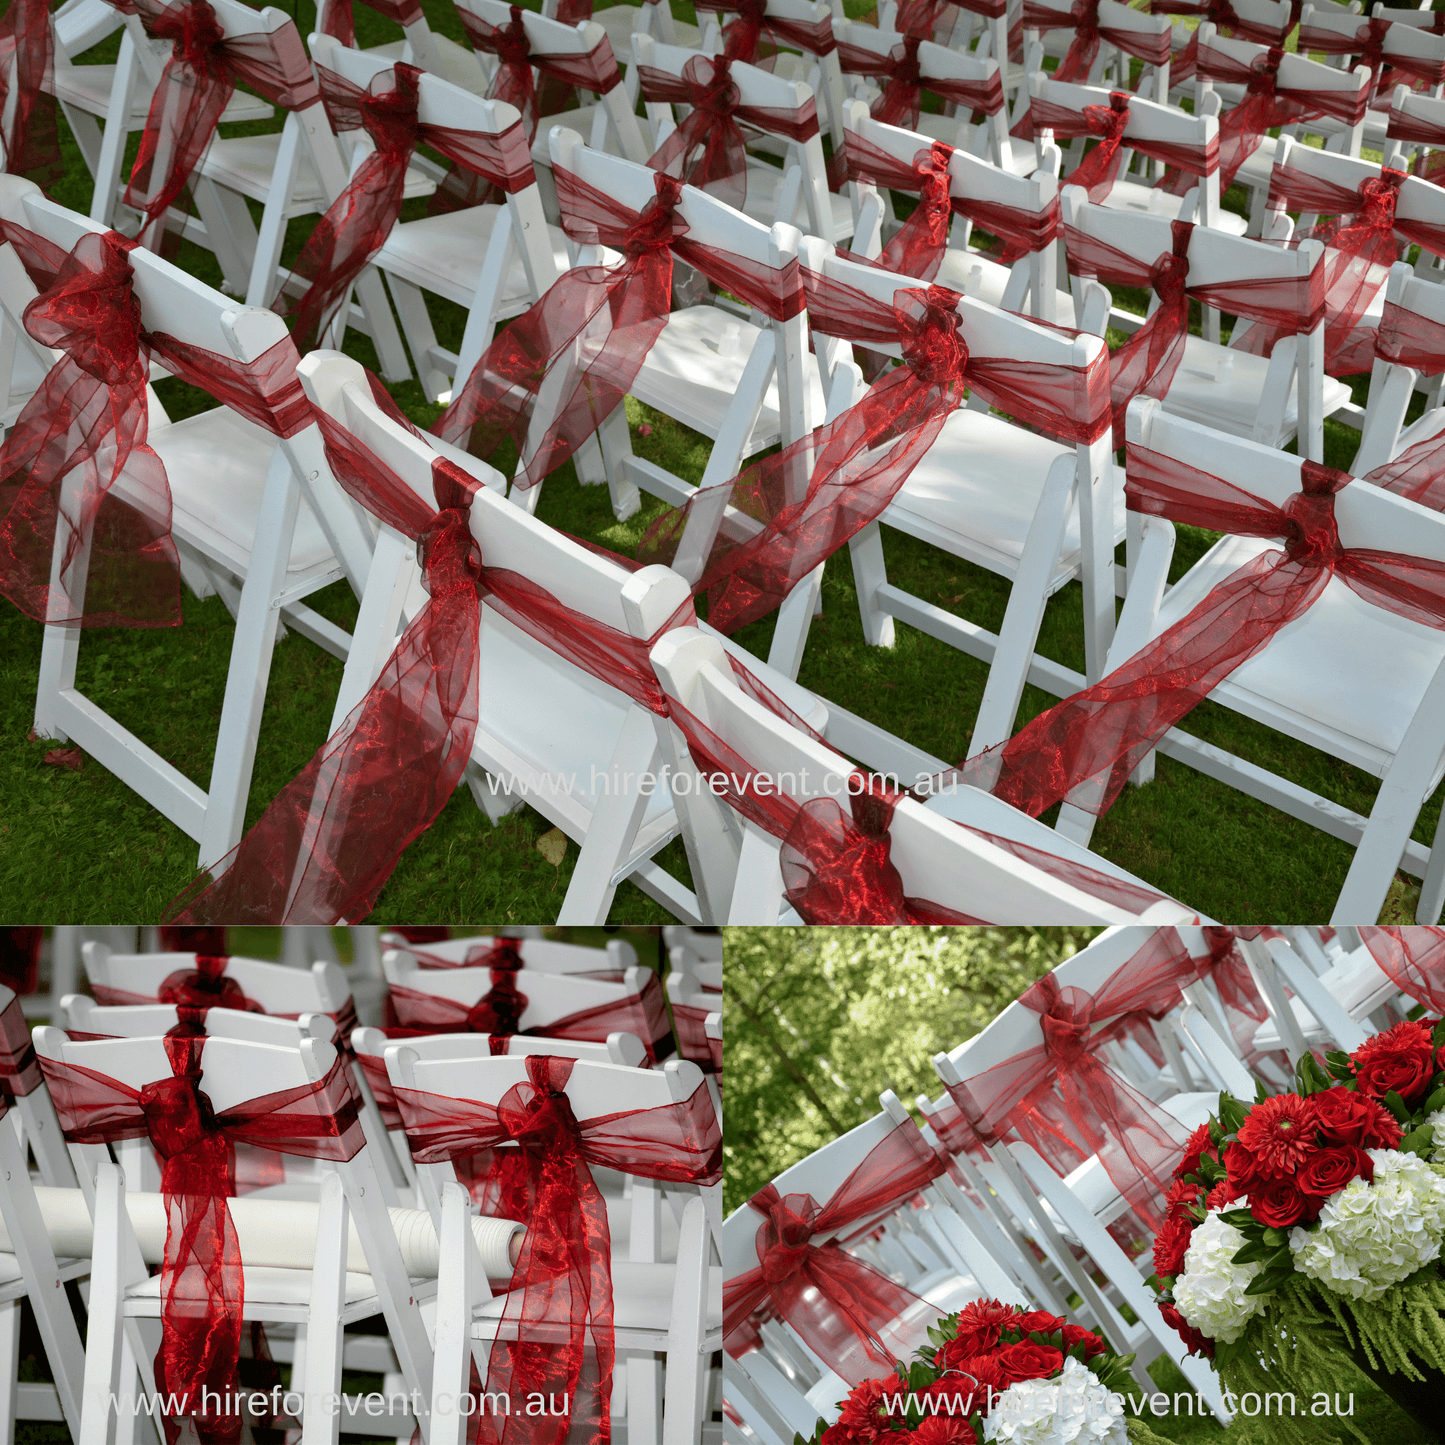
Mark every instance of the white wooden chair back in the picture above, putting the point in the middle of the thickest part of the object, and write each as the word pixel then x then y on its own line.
pixel 1407 42
pixel 936 859
pixel 620 1048
pixel 138 1021
pixel 1422 113
pixel 756 87
pixel 539 955
pixel 1110 59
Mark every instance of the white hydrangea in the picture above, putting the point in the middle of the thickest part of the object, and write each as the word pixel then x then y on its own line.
pixel 1371 1236
pixel 1210 1291
pixel 1075 1407
pixel 1437 1122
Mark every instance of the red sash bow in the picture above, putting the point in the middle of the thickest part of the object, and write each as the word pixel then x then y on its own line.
pixel 564 1275
pixel 341 17
pixel 741 36
pixel 1085 747
pixel 86 427
pixel 1244 1010
pixel 202 1284
pixel 1222 13
pixel 1083 20
pixel 19 1069
pixel 1098 171
pixel 850 1316
pixel 1368 44
pixel 30 135
pixel 1413 959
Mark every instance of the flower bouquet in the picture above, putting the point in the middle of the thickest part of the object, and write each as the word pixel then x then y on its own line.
pixel 1309 1224
pixel 993 1372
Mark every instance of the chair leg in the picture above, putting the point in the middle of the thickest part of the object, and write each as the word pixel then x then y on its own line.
pixel 9 1366
pixel 321 1373
pixel 455 1286
pixel 865 550
pixel 686 1380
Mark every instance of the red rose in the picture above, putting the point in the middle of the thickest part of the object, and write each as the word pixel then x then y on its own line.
pixel 1179 1198
pixel 1401 1058
pixel 1039 1322
pixel 1279 1133
pixel 979 1323
pixel 1169 1246
pixel 1239 1163
pixel 1345 1117
pixel 1197 1344
pixel 1077 1335
pixel 1198 1146
pixel 1279 1204
pixel 1331 1169
pixel 1028 1361
pixel 944 1430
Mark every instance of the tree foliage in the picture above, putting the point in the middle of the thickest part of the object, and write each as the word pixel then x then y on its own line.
pixel 821 1020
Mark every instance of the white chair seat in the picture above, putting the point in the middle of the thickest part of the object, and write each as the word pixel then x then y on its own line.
pixel 87 88
pixel 620 21
pixel 444 254
pixel 695 367
pixel 1356 982
pixel 1131 196
pixel 580 120
pixel 761 203
pixel 641 1301
pixel 1218 387
pixel 976 492
pixel 247 163
pixel 1023 157
pixel 9 1268
pixel 1360 706
pixel 216 463
pixel 1255 171
pixel 265 1285
pixel 452 61
pixel 985 279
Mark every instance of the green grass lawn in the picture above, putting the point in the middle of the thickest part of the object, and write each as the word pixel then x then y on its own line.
pixel 80 846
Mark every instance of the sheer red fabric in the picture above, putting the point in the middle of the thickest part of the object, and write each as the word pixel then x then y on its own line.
pixel 193 940
pixel 564 1275
pixel 707 148
pixel 77 459
pixel 1369 44
pixel 19 1070
pixel 341 17
pixel 1418 473
pixel 1244 1009
pixel 29 130
pixel 902 98
pixel 917 249
pixel 819 491
pixel 690 1025
pixel 1060 1098
pixel 1360 247
pixel 1415 130
pixel 922 17
pixel 741 36
pixel 1085 747
pixel 1083 20
pixel 1222 13
pixel 202 1283
pixel 357 223
pixel 198 80
pixel 20 959
pixel 1413 959
pixel 332 836
pixel 597 323
pixel 856 1320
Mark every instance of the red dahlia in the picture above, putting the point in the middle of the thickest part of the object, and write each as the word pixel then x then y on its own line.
pixel 1279 1133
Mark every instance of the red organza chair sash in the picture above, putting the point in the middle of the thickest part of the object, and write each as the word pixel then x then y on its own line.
pixel 598 322
pixel 1057 1095
pixel 198 80
pixel 86 426
pixel 29 132
pixel 1414 129
pixel 690 1026
pixel 821 490
pixel 356 225
pixel 19 1070
pixel 20 959
pixel 707 148
pixel 1413 959
pixel 341 16
pixel 563 1278
pixel 1368 44
pixel 1406 338
pixel 202 1283
pixel 848 1314
pixel 1244 1009
pixel 741 36
pixel 1085 747
pixel 917 249
pixel 390 768
pixel 1083 20
pixel 901 100
pixel 1222 13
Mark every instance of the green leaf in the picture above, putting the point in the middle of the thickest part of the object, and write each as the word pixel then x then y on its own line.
pixel 1255 1250
pixel 1260 1092
pixel 1273 1236
pixel 1396 1105
pixel 1231 1113
pixel 1419 1141
pixel 1310 1077
pixel 1282 1258
pixel 1269 1281
pixel 1239 1218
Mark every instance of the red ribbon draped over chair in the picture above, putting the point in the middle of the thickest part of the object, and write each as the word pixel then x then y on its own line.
pixel 1222 13
pixel 1414 130
pixel 742 35
pixel 19 1069
pixel 821 490
pixel 86 425
pixel 341 17
pixel 1244 1009
pixel 30 133
pixel 1085 747
pixel 564 1275
pixel 846 1312
pixel 1406 338
pixel 1368 44
pixel 1083 20
pixel 921 17
pixel 195 86
pixel 357 223
pixel 333 835
pixel 202 1283
pixel 690 1025
pixel 1059 1097
pixel 1362 243
pixel 597 322
pixel 901 102
pixel 1413 959
pixel 1146 364
pixel 707 148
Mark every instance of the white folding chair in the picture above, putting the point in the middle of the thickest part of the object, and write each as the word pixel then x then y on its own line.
pixel 1377 707
pixel 420 44
pixel 651 17
pixel 1273 400
pixel 126 1302
pixel 540 955
pixel 969 869
pixel 1131 32
pixel 257 518
pixel 494 259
